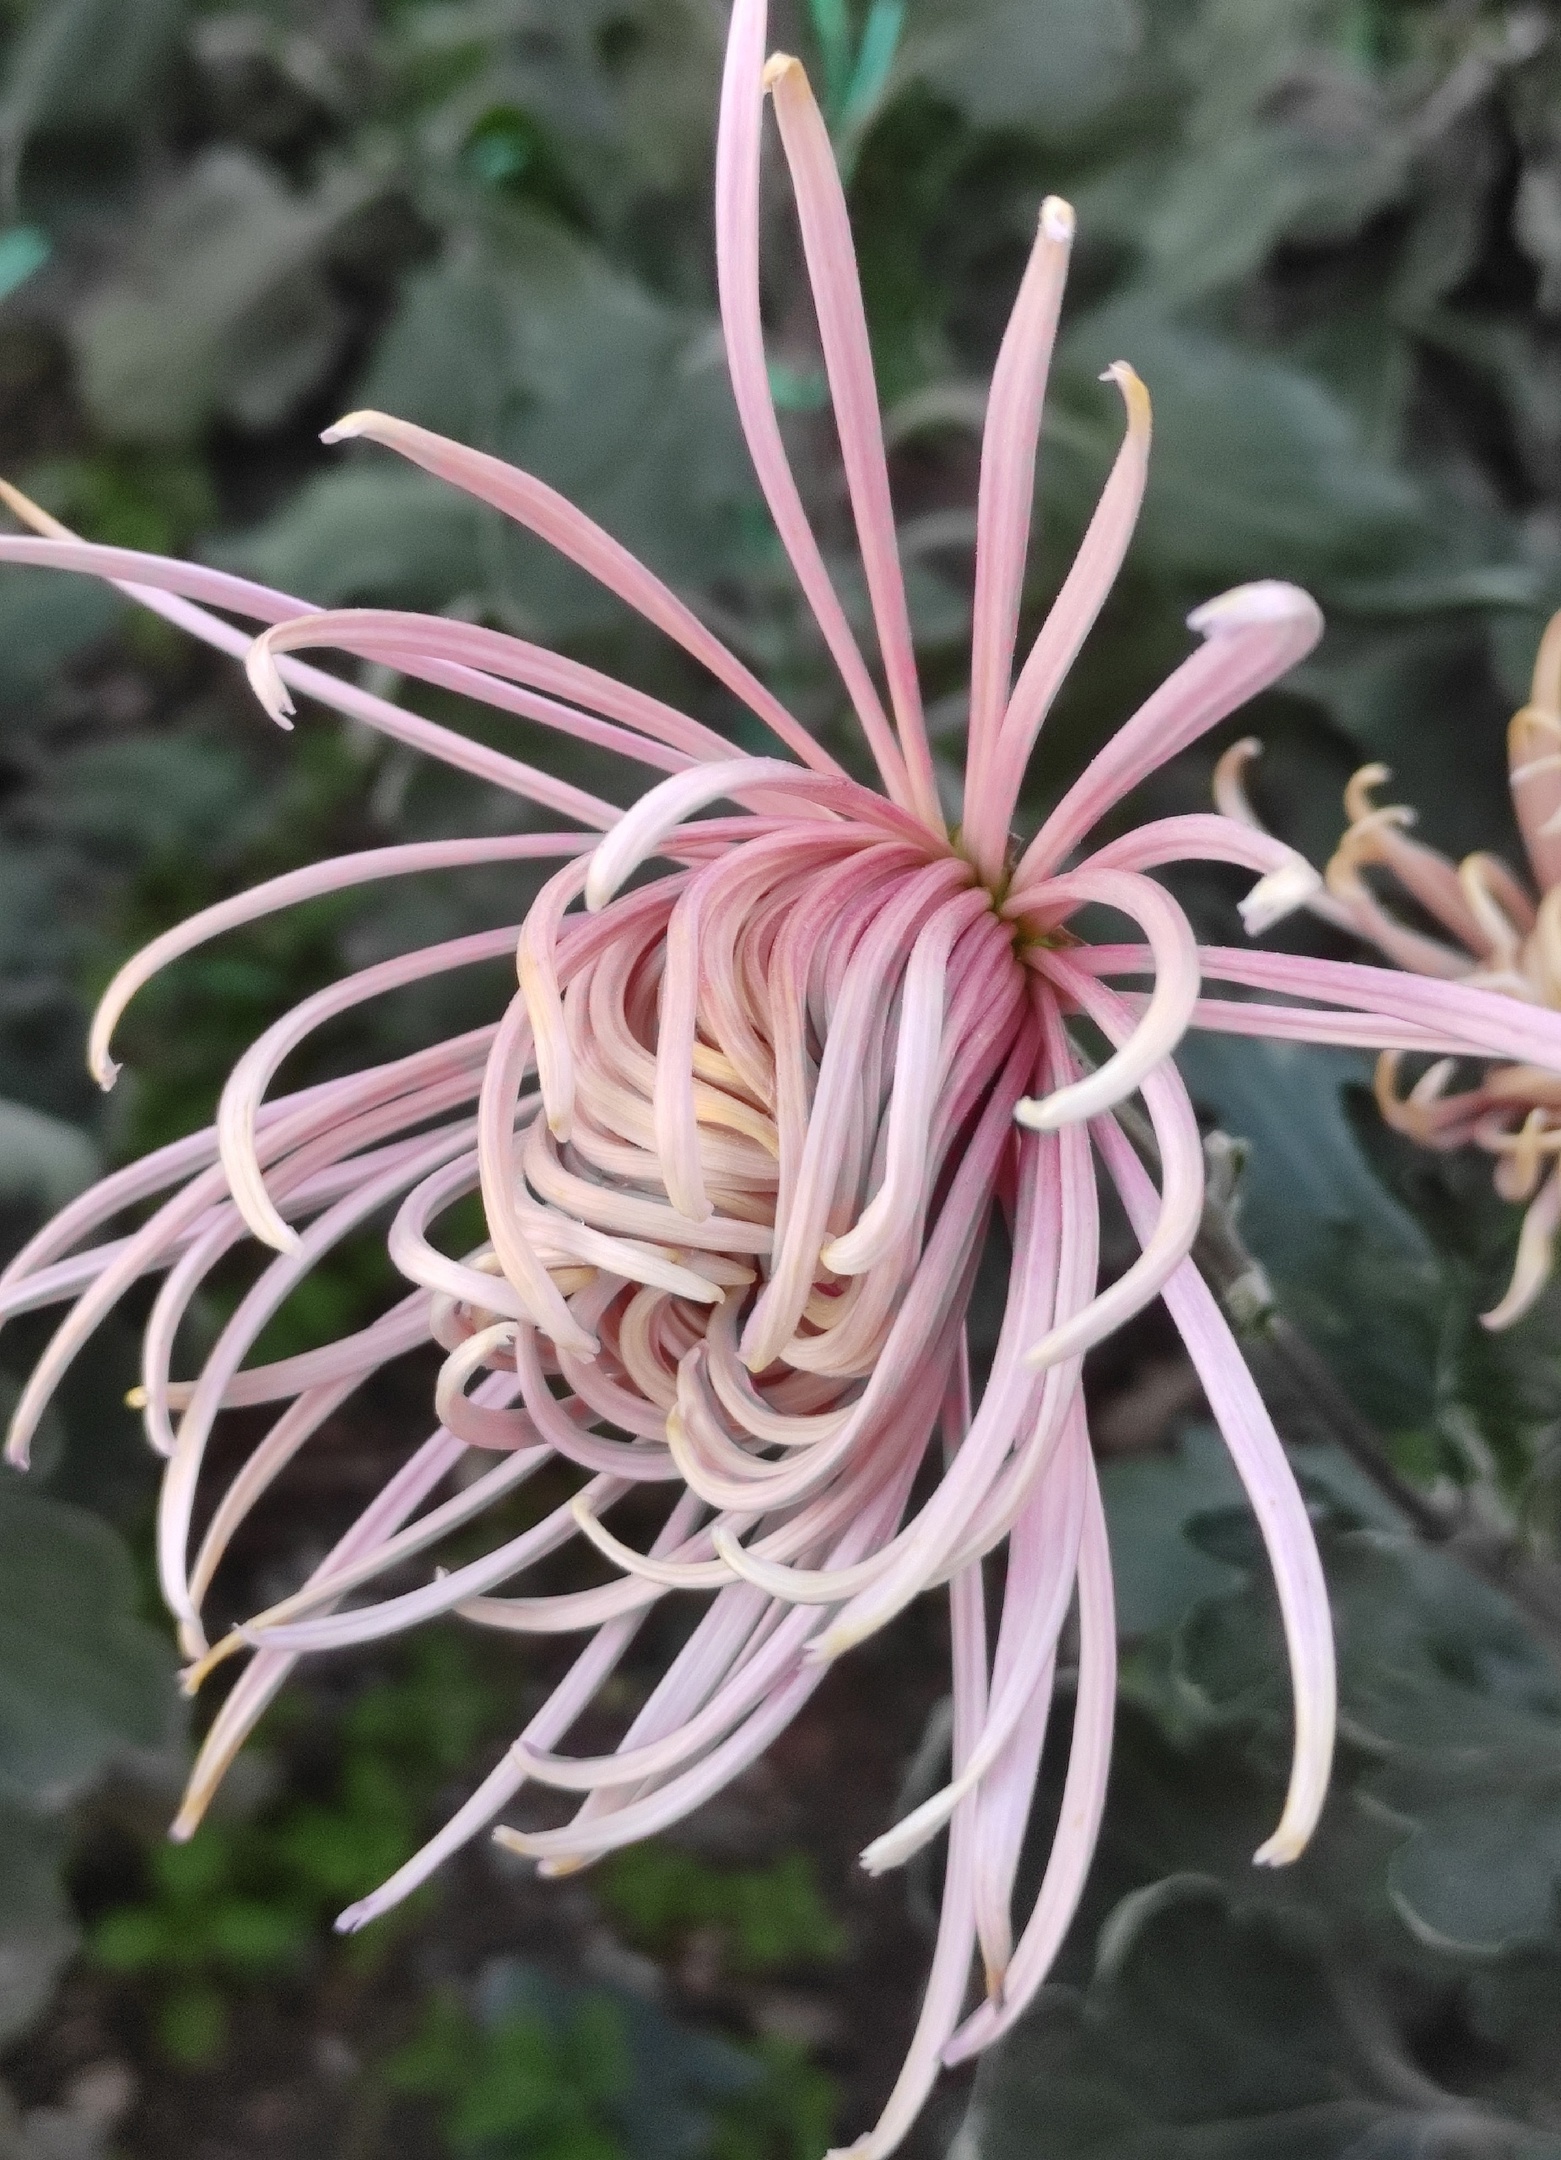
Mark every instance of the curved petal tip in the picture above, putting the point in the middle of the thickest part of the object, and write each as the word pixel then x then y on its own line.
pixel 1269 600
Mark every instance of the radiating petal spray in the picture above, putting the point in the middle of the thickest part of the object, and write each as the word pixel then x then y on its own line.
pixel 783 1050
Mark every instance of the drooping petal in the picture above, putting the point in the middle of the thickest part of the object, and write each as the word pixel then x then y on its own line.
pixel 1276 1501
pixel 165 587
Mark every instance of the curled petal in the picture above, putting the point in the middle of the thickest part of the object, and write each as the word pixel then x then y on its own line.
pixel 1536 1257
pixel 1165 1018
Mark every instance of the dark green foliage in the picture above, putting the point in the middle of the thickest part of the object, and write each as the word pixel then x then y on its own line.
pixel 251 1900
pixel 553 2073
pixel 1393 1992
pixel 524 2085
pixel 82 1678
pixel 766 1917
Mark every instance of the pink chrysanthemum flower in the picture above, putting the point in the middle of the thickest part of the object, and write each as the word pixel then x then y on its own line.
pixel 1496 936
pixel 739 1140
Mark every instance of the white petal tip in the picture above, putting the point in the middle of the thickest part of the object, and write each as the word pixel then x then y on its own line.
pixel 514 1841
pixel 1282 1849
pixel 1057 219
pixel 1035 1114
pixel 1279 894
pixel 18 1454
pixel 352 1920
pixel 348 427
pixel 1270 600
pixel 778 66
pixel 104 1071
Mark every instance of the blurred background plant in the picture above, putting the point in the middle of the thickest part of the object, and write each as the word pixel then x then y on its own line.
pixel 1328 232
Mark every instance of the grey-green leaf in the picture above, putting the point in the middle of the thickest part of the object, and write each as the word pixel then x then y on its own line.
pixel 81 1677
pixel 221 308
pixel 37 1933
pixel 1214 2033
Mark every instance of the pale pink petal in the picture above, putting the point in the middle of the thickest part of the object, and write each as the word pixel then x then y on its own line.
pixel 542 510
pixel 1254 635
pixel 485 662
pixel 738 155
pixel 419 1476
pixel 1535 1259
pixel 848 360
pixel 1006 493
pixel 158 584
pixel 1181 1199
pixel 990 805
pixel 239 1107
pixel 950 1975
pixel 337 874
pixel 1486 1023
pixel 1288 880
pixel 641 830
pixel 1276 1501
pixel 1164 1020
pixel 1083 1797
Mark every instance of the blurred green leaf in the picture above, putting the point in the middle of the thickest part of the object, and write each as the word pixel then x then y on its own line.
pixel 23 250
pixel 1258 471
pixel 46 621
pixel 1149 1500
pixel 367 533
pixel 84 65
pixel 37 1933
pixel 220 308
pixel 1212 2031
pixel 81 1678
pixel 657 2088
pixel 1049 65
pixel 769 1918
pixel 42 1159
pixel 192 2025
pixel 530 345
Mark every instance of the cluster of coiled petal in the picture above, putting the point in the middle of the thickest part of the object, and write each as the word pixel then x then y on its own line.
pixel 786 1054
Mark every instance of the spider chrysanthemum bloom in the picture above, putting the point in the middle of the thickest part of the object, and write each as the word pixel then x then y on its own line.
pixel 1486 928
pixel 769 1078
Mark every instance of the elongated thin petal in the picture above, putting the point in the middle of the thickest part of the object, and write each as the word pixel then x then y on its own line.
pixel 291 890
pixel 738 153
pixel 1253 636
pixel 165 587
pixel 1007 486
pixel 842 320
pixel 1085 590
pixel 532 503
